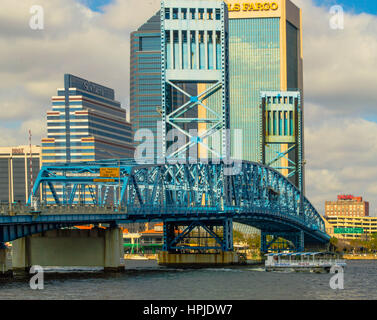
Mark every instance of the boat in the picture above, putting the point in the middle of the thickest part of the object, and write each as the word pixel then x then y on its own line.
pixel 318 262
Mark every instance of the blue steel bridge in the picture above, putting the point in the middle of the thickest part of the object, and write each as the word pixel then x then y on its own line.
pixel 185 197
pixel 210 195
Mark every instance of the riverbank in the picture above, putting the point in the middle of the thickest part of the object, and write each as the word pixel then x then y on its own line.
pixel 360 257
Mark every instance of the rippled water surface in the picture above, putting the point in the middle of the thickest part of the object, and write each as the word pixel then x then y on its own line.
pixel 146 280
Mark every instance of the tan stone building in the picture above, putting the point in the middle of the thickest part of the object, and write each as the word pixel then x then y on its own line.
pixel 348 206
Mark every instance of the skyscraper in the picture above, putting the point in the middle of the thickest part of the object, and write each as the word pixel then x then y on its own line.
pixel 86 124
pixel 265 54
pixel 145 77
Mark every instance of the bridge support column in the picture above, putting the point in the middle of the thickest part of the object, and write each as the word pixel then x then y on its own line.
pixel 228 235
pixel 300 242
pixel 21 255
pixel 263 242
pixel 199 243
pixel 5 265
pixel 114 250
pixel 70 248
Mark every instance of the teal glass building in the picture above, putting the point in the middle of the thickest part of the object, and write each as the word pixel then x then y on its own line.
pixel 265 54
pixel 254 66
pixel 145 80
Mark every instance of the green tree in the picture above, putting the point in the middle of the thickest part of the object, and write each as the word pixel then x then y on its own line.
pixel 373 242
pixel 254 241
pixel 238 236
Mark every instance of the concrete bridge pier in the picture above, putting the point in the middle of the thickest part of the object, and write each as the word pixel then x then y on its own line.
pixel 178 251
pixel 70 248
pixel 5 265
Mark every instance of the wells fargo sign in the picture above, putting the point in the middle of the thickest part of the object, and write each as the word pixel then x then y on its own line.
pixel 253 6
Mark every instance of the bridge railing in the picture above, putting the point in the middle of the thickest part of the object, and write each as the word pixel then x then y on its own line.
pixel 92 209
pixel 152 210
pixel 12 209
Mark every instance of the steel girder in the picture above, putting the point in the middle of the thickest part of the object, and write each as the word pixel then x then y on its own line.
pixel 254 195
pixel 178 68
pixel 177 240
pixel 296 241
pixel 16 231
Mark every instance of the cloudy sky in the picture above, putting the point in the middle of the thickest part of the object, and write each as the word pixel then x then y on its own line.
pixel 90 38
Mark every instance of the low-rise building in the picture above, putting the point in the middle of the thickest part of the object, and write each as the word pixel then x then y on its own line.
pixel 15 174
pixel 348 206
pixel 350 228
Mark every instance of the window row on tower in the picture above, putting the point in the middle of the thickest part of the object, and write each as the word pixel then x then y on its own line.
pixel 193 50
pixel 192 14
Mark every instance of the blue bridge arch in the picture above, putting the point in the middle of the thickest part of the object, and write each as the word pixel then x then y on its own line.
pixel 204 194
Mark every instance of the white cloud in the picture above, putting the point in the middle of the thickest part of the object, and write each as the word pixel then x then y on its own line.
pixel 341 159
pixel 339 64
pixel 340 94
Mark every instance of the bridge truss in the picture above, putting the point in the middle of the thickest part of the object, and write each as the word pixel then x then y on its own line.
pixel 208 195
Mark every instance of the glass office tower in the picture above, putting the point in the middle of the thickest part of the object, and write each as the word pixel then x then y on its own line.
pixel 145 78
pixel 265 54
pixel 86 124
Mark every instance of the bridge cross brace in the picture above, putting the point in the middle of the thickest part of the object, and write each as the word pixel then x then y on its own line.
pixel 296 241
pixel 176 240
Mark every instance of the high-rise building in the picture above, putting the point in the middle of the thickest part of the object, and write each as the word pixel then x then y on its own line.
pixel 145 78
pixel 86 123
pixel 15 173
pixel 347 206
pixel 145 84
pixel 265 54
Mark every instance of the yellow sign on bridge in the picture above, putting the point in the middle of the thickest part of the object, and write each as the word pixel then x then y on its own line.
pixel 109 172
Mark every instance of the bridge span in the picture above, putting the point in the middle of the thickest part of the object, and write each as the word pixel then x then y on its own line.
pixel 211 195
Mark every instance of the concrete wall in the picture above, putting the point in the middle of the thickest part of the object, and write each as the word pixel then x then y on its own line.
pixel 70 247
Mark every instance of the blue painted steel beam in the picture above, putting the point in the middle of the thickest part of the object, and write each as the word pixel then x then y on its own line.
pixel 255 195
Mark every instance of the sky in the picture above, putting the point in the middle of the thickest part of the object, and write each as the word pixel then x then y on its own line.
pixel 353 6
pixel 90 38
pixel 357 6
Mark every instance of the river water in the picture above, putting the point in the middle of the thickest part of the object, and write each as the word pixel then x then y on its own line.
pixel 146 280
